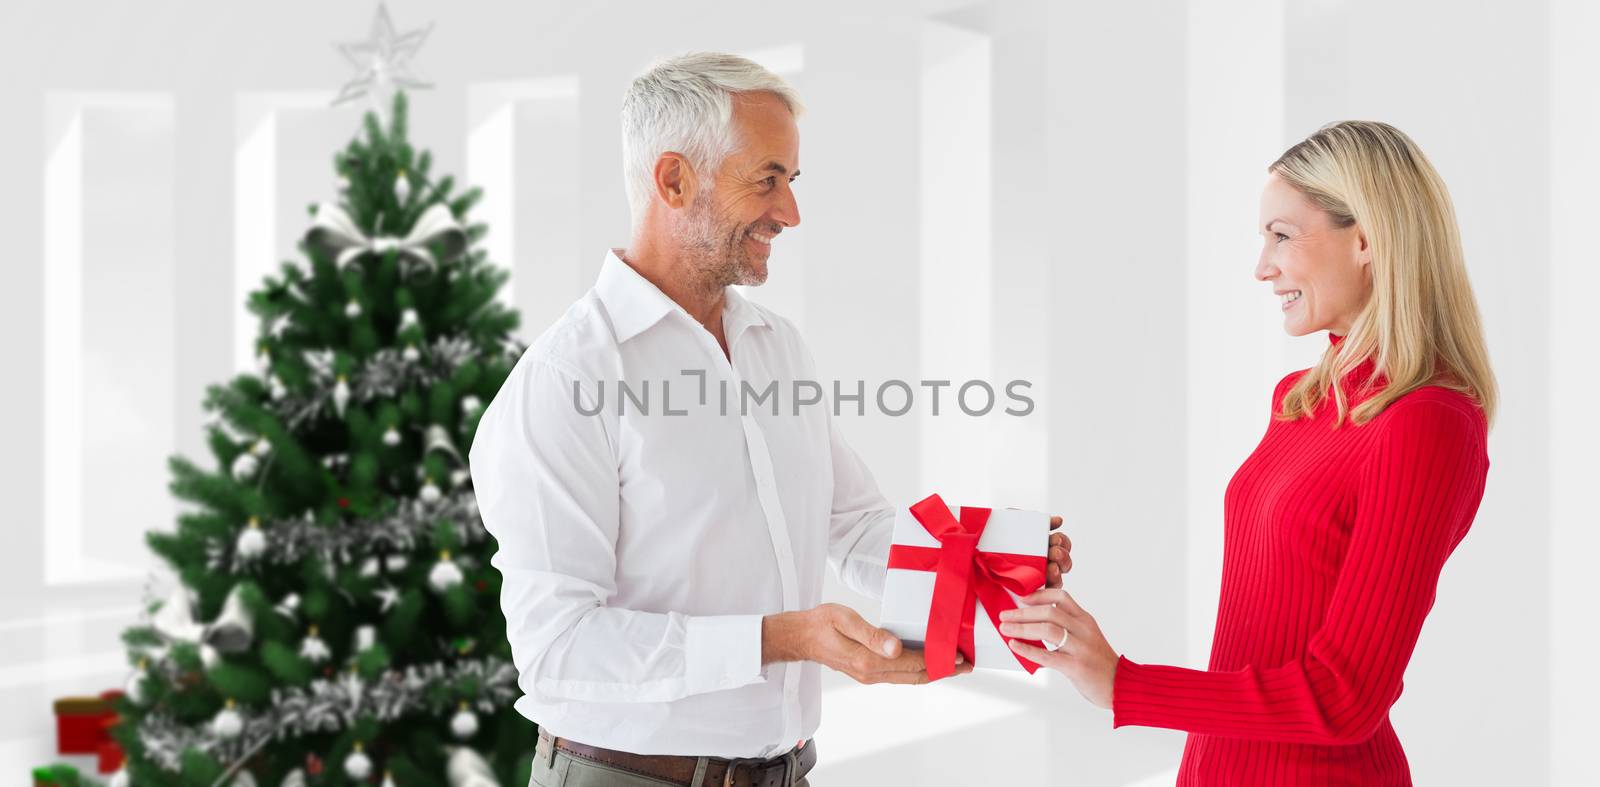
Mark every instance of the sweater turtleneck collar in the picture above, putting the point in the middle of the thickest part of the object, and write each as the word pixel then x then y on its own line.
pixel 1364 372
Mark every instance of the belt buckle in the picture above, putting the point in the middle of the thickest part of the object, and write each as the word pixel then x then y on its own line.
pixel 735 763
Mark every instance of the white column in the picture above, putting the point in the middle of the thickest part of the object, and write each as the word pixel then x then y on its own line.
pixel 108 332
pixel 1233 329
pixel 520 142
pixel 1574 378
pixel 1113 221
pixel 956 276
pixel 1115 230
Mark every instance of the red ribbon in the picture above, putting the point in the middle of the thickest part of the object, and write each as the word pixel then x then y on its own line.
pixel 964 576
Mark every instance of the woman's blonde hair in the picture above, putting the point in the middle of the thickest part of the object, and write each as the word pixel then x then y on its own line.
pixel 1420 326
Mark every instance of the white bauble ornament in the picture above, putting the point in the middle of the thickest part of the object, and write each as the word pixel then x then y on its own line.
pixel 296 778
pixel 243 779
pixel 391 437
pixel 396 563
pixel 352 309
pixel 402 188
pixel 341 395
pixel 135 689
pixel 358 765
pixel 119 779
pixel 445 574
pixel 465 723
pixel 252 542
pixel 408 318
pixel 228 723
pixel 276 388
pixel 209 657
pixel 467 768
pixel 245 466
pixel 313 649
pixel 411 354
pixel 388 780
pixel 369 567
pixel 470 405
pixel 459 477
pixel 429 492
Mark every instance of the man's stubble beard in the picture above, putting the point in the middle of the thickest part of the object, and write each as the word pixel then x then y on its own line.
pixel 716 250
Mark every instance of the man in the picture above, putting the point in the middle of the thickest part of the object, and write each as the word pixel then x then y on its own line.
pixel 663 560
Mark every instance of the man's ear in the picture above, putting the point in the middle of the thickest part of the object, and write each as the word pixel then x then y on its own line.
pixel 675 180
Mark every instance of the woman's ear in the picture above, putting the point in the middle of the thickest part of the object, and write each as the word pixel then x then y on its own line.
pixel 674 179
pixel 1363 248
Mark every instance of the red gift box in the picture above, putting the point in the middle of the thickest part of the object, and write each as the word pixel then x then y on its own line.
pixel 82 723
pixel 110 757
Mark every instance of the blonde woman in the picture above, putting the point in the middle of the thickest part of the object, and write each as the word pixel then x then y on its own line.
pixel 1339 523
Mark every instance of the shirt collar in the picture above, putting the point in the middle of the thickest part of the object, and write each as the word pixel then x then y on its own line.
pixel 635 305
pixel 632 302
pixel 738 313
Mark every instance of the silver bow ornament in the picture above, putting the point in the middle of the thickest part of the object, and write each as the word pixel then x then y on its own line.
pixel 334 232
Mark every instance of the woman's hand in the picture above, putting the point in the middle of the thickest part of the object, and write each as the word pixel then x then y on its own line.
pixel 1085 657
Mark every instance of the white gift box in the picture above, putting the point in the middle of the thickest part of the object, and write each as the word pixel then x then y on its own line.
pixel 908 594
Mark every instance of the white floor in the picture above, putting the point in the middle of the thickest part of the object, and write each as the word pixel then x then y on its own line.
pixel 989 727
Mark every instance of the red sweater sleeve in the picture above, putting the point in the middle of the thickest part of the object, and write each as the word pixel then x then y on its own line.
pixel 1416 495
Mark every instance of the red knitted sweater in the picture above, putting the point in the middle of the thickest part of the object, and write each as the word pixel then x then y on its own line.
pixel 1334 540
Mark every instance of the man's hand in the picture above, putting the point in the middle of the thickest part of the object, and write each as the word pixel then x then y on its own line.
pixel 1060 555
pixel 835 636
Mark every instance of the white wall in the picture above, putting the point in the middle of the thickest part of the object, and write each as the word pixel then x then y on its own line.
pixel 1083 175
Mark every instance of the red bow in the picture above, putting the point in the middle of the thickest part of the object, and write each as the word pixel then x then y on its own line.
pixel 964 576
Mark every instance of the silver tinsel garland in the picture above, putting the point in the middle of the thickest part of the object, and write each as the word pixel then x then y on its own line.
pixel 290 540
pixel 332 705
pixel 383 375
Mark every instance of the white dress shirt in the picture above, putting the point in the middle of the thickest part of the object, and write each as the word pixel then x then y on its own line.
pixel 640 551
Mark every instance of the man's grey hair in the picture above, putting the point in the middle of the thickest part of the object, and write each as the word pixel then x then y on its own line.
pixel 684 105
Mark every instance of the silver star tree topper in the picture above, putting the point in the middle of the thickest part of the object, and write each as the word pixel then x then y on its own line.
pixel 383 62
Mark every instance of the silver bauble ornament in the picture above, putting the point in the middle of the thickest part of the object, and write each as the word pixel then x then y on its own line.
pixel 252 541
pixel 135 689
pixel 228 723
pixel 402 188
pixel 465 723
pixel 445 573
pixel 245 466
pixel 391 437
pixel 358 765
pixel 341 395
pixel 313 649
pixel 430 492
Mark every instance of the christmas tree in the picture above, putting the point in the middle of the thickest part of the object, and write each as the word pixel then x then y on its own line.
pixel 338 621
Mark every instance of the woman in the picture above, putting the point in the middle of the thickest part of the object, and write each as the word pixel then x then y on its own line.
pixel 1338 525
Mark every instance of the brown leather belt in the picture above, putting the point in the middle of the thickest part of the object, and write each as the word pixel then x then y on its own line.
pixel 780 771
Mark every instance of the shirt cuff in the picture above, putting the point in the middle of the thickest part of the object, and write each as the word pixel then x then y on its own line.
pixel 722 652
